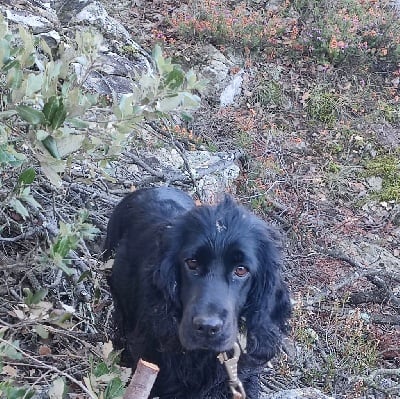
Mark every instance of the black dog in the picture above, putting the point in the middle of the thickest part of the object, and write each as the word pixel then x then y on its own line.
pixel 186 282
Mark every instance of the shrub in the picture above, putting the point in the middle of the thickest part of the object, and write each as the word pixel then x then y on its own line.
pixel 221 23
pixel 46 120
pixel 351 30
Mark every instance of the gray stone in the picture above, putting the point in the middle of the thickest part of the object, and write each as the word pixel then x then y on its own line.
pixel 37 16
pixel 95 14
pixel 370 255
pixel 214 172
pixel 232 90
pixel 375 183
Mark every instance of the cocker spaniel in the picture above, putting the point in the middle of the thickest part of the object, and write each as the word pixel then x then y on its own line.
pixel 187 281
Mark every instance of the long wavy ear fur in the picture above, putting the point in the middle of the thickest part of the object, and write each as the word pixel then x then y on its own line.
pixel 166 277
pixel 268 307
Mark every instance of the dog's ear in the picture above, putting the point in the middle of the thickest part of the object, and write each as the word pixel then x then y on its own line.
pixel 166 276
pixel 268 307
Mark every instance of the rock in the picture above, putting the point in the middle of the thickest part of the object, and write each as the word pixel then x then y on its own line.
pixel 375 183
pixel 217 70
pixel 370 255
pixel 231 91
pixel 39 17
pixel 116 75
pixel 305 393
pixel 214 172
pixel 386 135
pixel 221 84
pixel 118 70
pixel 95 14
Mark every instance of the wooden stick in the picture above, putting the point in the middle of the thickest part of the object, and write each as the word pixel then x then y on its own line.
pixel 142 381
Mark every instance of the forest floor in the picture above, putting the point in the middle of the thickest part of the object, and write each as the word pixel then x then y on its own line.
pixel 320 134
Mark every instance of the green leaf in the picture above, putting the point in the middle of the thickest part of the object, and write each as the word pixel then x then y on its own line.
pixel 10 349
pixel 78 123
pixel 115 388
pixel 70 144
pixel 50 108
pixel 11 64
pixel 58 389
pixel 126 105
pixel 27 47
pixel 85 275
pixel 55 112
pixel 18 207
pixel 51 167
pixel 101 369
pixel 169 104
pixel 63 246
pixel 27 176
pixel 190 100
pixel 41 331
pixel 26 196
pixel 41 134
pixel 9 156
pixel 59 117
pixel 33 84
pixel 157 54
pixel 34 298
pixel 175 78
pixel 7 114
pixel 4 51
pixel 14 78
pixel 9 391
pixel 51 146
pixel 164 65
pixel 30 115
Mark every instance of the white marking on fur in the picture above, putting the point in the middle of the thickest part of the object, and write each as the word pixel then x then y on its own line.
pixel 220 226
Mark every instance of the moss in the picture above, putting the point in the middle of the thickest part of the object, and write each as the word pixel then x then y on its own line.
pixel 333 167
pixel 386 167
pixel 323 107
pixel 391 112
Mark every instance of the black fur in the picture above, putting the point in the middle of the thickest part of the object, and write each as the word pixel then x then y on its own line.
pixel 186 281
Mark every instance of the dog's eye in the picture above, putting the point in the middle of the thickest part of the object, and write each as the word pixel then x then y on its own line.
pixel 241 271
pixel 192 264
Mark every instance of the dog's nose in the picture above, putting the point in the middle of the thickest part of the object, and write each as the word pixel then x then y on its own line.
pixel 207 326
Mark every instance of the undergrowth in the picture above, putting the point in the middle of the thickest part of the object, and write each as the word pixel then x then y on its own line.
pixel 336 345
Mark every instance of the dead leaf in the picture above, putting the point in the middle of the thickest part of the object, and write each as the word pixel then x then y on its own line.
pixel 18 313
pixel 106 349
pixel 57 389
pixel 107 265
pixel 10 371
pixel 44 350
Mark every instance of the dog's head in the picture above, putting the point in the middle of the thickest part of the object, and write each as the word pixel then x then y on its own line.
pixel 221 266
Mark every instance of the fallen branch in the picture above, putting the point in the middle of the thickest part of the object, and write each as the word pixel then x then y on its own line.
pixel 142 381
pixel 24 236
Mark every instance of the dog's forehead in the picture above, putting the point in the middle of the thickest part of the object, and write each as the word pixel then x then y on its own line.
pixel 220 226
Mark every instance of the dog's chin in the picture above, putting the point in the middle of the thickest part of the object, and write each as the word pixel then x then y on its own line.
pixel 217 344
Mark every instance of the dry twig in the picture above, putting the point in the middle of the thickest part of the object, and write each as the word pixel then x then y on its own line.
pixel 142 381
